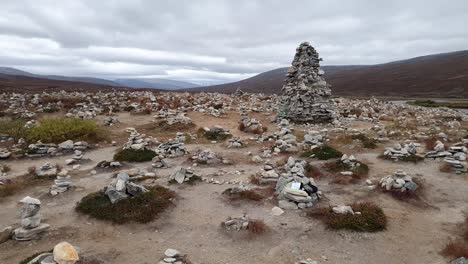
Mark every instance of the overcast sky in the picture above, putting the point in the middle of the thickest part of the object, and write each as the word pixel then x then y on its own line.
pixel 219 41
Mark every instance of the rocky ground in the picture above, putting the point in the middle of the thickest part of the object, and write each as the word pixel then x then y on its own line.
pixel 417 231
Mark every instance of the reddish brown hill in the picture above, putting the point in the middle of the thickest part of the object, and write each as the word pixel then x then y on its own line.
pixel 25 84
pixel 440 75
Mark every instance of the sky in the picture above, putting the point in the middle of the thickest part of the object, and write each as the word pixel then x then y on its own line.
pixel 216 41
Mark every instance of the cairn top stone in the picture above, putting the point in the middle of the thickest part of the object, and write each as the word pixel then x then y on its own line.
pixel 30 200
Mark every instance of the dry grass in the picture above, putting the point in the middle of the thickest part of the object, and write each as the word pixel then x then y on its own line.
pixel 18 184
pixel 445 167
pixel 257 227
pixel 335 167
pixel 164 126
pixel 458 248
pixel 312 171
pixel 430 143
pixel 254 180
pixel 371 219
pixel 253 195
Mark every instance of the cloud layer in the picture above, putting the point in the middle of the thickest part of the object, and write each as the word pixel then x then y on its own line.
pixel 216 40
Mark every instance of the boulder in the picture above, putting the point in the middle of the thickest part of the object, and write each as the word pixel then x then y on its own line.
pixel 64 253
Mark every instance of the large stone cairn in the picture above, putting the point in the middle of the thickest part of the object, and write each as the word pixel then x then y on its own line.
pixel 294 189
pixel 306 95
pixel 31 226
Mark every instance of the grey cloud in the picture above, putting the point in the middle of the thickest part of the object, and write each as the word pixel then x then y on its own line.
pixel 216 40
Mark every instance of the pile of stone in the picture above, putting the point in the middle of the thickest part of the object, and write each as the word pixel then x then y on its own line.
pixel 173 256
pixel 47 170
pixel 78 155
pixel 216 132
pixel 110 120
pixel 349 162
pixel 251 125
pixel 305 94
pixel 180 137
pixel 40 149
pixel 109 164
pixel 122 188
pixel 399 181
pixel 207 157
pixel 179 119
pixel 286 141
pixel 61 184
pixel 460 260
pixel 184 175
pixel 70 145
pixel 400 151
pixel 268 174
pixel 235 142
pixel 63 253
pixel 31 226
pixel 438 151
pixel 313 138
pixel 4 153
pixel 236 224
pixel 137 141
pixel 172 149
pixel 294 189
pixel 159 161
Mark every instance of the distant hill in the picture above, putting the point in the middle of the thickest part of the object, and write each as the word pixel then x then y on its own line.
pixel 156 83
pixel 27 84
pixel 439 75
pixel 13 71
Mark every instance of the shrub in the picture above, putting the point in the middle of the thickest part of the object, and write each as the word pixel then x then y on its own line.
pixel 141 208
pixel 134 155
pixel 14 128
pixel 245 195
pixel 57 130
pixel 4 168
pixel 430 143
pixel 371 219
pixel 312 171
pixel 257 227
pixel 9 188
pixel 323 152
pixel 336 167
pixel 456 249
pixel 445 167
pixel 412 158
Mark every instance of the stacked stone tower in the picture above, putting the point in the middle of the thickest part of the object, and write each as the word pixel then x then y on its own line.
pixel 306 95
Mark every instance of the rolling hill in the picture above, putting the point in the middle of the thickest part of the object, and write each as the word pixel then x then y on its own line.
pixel 439 75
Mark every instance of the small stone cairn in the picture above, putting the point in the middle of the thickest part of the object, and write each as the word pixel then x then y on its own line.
pixel 251 125
pixel 294 189
pixel 401 150
pixel 31 226
pixel 122 188
pixel 399 181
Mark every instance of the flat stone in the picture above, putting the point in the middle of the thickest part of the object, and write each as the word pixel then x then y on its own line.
pixel 5 234
pixel 22 234
pixel 171 253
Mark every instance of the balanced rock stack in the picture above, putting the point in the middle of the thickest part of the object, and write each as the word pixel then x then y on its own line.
pixel 206 157
pixel 305 94
pixel 294 189
pixel 268 174
pixel 78 155
pixel 122 188
pixel 172 148
pixel 136 140
pixel 399 181
pixel 438 151
pixel 61 184
pixel 31 226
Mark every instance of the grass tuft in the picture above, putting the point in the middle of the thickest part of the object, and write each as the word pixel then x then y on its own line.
pixel 323 152
pixel 134 155
pixel 57 130
pixel 142 208
pixel 371 219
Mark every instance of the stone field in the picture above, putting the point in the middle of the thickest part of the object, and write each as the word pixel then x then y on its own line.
pixel 167 177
